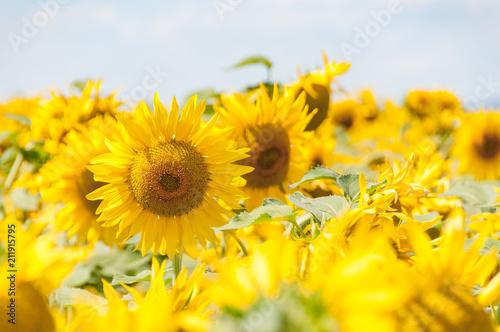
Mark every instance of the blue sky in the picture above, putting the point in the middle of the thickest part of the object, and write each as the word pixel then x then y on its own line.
pixel 433 44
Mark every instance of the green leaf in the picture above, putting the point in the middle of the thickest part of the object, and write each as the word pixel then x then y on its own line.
pixel 80 275
pixel 272 210
pixel 272 201
pixel 350 184
pixel 20 118
pixel 426 216
pixel 8 155
pixel 75 296
pixel 316 173
pixel 209 110
pixel 475 193
pixel 253 60
pixel 36 155
pixel 122 278
pixel 490 244
pixel 133 239
pixel 23 200
pixel 322 207
pixel 81 84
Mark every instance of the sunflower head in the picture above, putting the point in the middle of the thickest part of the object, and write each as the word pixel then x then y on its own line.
pixel 419 102
pixel 67 180
pixel 269 154
pixel 272 129
pixel 53 119
pixel 345 114
pixel 317 86
pixel 477 145
pixel 171 179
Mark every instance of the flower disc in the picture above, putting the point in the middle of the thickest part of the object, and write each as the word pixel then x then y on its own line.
pixel 488 146
pixel 169 179
pixel 269 155
pixel 318 98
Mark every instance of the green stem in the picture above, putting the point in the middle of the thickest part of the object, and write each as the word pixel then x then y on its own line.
pixel 240 243
pixel 177 265
pixel 299 229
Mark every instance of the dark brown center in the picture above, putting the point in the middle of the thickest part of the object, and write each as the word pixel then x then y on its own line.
pixel 269 155
pixel 488 146
pixel 320 100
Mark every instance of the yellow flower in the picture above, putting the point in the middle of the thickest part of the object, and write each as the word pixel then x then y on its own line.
pixel 273 129
pixel 182 308
pixel 317 85
pixel 477 145
pixel 485 224
pixel 318 148
pixel 419 102
pixel 241 282
pixel 435 112
pixel 66 179
pixel 12 115
pixel 40 266
pixel 443 299
pixel 345 114
pixel 55 118
pixel 362 284
pixel 168 178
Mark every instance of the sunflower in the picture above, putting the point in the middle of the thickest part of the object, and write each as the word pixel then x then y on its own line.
pixel 169 179
pixel 55 118
pixel 346 114
pixel 419 102
pixel 317 85
pixel 477 145
pixel 41 267
pixel 182 308
pixel 273 130
pixel 443 296
pixel 318 151
pixel 67 180
pixel 14 120
pixel 434 112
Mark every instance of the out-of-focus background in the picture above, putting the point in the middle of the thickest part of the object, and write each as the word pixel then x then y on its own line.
pixel 175 47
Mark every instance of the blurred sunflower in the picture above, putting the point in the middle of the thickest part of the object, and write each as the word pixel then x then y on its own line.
pixel 182 308
pixel 442 300
pixel 436 112
pixel 41 266
pixel 273 130
pixel 477 145
pixel 419 102
pixel 317 85
pixel 345 114
pixel 55 118
pixel 67 180
pixel 168 178
pixel 14 119
pixel 318 151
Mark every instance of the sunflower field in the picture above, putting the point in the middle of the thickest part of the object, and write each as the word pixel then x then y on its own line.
pixel 291 206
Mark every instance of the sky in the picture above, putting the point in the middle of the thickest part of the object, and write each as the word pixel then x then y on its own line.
pixel 179 47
